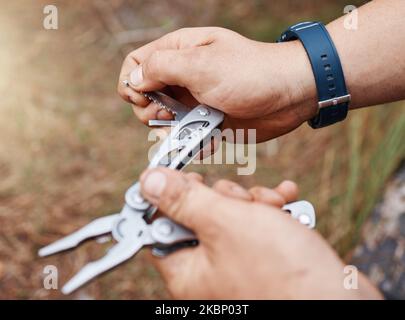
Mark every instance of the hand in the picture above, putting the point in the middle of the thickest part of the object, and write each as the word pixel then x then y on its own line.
pixel 248 247
pixel 266 86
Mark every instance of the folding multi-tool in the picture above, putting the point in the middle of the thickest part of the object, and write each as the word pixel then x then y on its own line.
pixel 133 228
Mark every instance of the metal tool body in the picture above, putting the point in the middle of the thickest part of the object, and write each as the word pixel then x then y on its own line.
pixel 132 227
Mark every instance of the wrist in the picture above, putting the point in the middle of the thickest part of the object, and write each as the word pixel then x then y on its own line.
pixel 296 82
pixel 302 88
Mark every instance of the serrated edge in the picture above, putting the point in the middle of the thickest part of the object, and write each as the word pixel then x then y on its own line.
pixel 159 103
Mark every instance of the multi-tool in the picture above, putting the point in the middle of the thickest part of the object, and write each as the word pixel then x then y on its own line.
pixel 133 228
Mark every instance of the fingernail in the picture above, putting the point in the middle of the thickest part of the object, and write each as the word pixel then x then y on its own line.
pixel 136 76
pixel 154 183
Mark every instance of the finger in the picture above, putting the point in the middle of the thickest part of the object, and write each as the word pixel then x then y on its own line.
pixel 167 67
pixel 190 175
pixel 136 98
pixel 152 111
pixel 184 200
pixel 232 189
pixel 180 39
pixel 123 80
pixel 195 176
pixel 267 196
pixel 130 95
pixel 288 190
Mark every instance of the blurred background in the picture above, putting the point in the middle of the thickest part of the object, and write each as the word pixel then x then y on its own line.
pixel 69 147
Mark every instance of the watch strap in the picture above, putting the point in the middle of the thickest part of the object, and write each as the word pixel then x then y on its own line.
pixel 333 96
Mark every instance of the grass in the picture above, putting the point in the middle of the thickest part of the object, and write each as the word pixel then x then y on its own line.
pixel 383 161
pixel 370 166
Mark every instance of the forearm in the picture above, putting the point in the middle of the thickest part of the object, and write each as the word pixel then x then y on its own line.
pixel 373 55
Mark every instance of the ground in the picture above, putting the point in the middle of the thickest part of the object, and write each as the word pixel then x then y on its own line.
pixel 69 147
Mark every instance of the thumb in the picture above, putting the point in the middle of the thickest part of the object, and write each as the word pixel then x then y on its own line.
pixel 164 67
pixel 181 198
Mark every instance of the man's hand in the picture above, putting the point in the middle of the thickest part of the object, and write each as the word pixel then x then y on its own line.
pixel 257 85
pixel 248 247
pixel 268 86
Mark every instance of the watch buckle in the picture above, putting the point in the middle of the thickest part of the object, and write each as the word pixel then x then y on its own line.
pixel 334 101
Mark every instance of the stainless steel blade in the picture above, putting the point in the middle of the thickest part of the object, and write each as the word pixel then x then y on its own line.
pixel 95 228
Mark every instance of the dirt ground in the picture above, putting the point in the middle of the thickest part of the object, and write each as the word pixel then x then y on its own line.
pixel 69 147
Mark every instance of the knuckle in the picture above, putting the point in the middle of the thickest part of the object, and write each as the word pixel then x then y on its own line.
pixel 173 39
pixel 151 66
pixel 130 58
pixel 173 34
pixel 220 184
pixel 180 38
pixel 195 176
pixel 184 30
pixel 256 191
pixel 219 30
pixel 256 188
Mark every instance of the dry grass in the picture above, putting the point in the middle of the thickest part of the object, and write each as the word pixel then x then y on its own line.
pixel 69 147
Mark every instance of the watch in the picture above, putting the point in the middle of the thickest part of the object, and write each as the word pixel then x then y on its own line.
pixel 333 97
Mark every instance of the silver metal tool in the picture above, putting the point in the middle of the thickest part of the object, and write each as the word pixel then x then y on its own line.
pixel 132 233
pixel 303 211
pixel 177 109
pixel 132 227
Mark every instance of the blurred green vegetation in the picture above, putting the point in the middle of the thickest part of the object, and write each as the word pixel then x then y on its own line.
pixel 266 20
